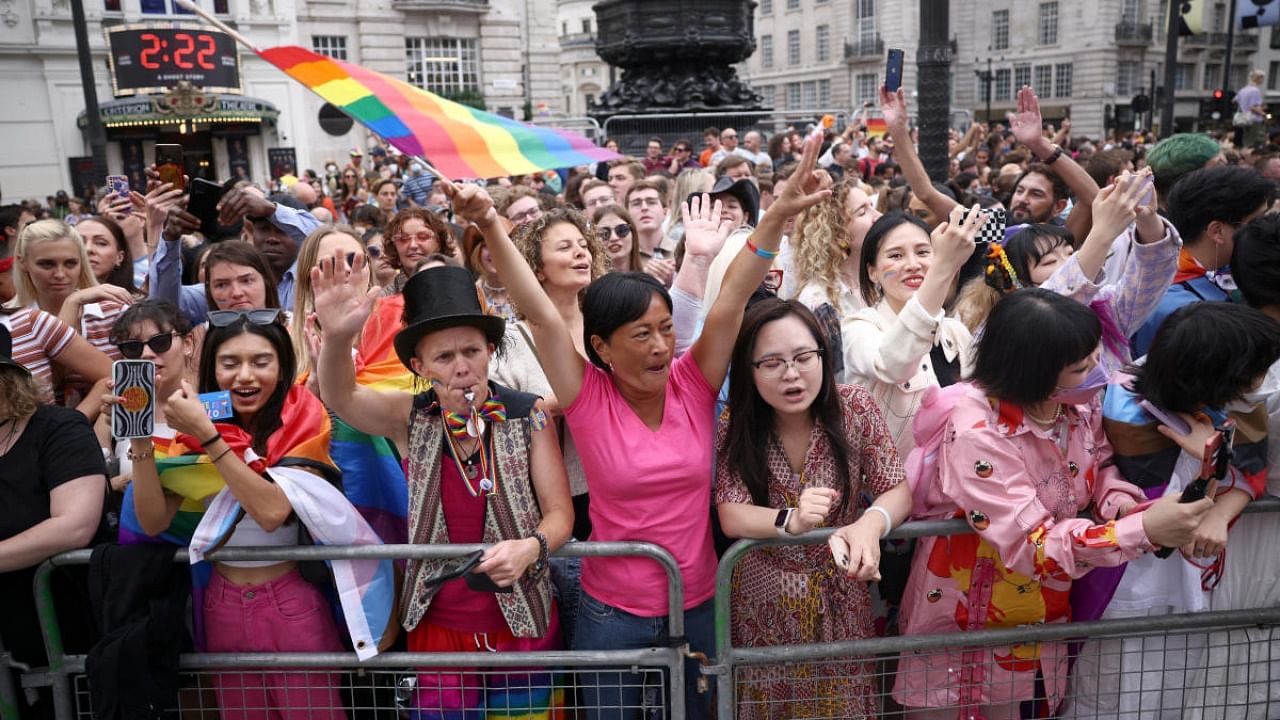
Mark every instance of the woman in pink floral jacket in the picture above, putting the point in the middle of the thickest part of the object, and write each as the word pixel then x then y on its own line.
pixel 1022 456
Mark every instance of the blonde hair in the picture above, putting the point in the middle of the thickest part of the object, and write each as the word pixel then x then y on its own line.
pixel 974 303
pixel 20 396
pixel 304 297
pixel 688 182
pixel 41 232
pixel 822 242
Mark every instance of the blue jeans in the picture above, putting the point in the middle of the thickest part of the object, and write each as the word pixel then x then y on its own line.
pixel 616 694
pixel 566 583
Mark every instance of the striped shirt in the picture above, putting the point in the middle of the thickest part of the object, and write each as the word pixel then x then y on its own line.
pixel 38 339
pixel 96 320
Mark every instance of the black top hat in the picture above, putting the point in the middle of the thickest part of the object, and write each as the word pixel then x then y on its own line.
pixel 745 191
pixel 439 298
pixel 6 351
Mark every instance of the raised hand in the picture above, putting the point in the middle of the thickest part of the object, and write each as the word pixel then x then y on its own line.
pixel 342 299
pixel 1027 123
pixel 804 189
pixel 472 203
pixel 953 239
pixel 705 227
pixel 893 105
pixel 1115 206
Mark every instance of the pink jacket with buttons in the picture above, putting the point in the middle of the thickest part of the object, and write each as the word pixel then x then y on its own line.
pixel 1020 487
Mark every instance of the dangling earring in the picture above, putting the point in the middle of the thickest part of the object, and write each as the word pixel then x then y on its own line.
pixel 879 289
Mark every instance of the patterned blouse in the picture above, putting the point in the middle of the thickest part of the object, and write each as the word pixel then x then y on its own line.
pixel 795 594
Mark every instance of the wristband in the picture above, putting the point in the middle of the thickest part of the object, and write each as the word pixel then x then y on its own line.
pixel 544 549
pixel 216 437
pixel 1057 153
pixel 888 520
pixel 766 254
pixel 220 456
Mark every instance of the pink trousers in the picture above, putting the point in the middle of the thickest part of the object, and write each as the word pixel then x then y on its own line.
pixel 287 614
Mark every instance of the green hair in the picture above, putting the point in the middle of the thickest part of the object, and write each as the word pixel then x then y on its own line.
pixel 1178 155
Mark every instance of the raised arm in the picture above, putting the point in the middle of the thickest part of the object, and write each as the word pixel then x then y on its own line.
pixel 713 348
pixel 341 310
pixel 1027 126
pixel 894 107
pixel 560 358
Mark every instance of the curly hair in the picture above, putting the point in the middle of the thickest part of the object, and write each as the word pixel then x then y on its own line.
pixel 433 222
pixel 528 239
pixel 822 241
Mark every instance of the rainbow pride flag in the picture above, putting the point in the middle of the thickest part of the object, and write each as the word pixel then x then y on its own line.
pixel 461 141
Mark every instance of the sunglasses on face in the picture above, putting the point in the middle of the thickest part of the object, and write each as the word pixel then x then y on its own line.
pixel 260 316
pixel 620 231
pixel 132 349
pixel 373 250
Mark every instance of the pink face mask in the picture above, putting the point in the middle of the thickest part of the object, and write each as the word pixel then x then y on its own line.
pixel 1084 392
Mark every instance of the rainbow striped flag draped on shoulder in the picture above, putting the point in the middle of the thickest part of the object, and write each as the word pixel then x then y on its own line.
pixel 461 141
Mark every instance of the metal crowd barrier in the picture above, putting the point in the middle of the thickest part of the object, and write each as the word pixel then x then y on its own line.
pixel 397 675
pixel 633 131
pixel 1198 649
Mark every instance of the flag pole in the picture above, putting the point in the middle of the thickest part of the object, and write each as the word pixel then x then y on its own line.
pixel 209 18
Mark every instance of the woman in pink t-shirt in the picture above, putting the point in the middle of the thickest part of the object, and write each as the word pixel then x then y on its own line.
pixel 643 421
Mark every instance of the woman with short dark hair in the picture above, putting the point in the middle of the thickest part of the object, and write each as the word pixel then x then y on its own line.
pixel 1022 456
pixel 1205 359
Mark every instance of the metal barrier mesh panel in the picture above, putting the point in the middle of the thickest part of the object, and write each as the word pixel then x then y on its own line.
pixel 1223 675
pixel 356 694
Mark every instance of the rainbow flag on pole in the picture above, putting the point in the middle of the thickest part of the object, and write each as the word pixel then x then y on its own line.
pixel 461 141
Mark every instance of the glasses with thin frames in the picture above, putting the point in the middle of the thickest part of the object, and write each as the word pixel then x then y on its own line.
pixel 772 368
pixel 259 316
pixel 132 349
pixel 423 237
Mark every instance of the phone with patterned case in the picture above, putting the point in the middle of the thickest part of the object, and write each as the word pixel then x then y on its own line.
pixel 993 229
pixel 135 382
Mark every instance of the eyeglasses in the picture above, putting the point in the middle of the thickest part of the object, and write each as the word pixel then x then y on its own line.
pixel 618 231
pixel 529 215
pixel 260 316
pixel 772 368
pixel 132 349
pixel 642 202
pixel 373 250
pixel 684 149
pixel 423 238
pixel 351 256
pixel 730 137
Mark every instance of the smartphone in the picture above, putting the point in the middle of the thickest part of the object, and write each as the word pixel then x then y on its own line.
pixel 1173 422
pixel 893 73
pixel 119 186
pixel 456 571
pixel 135 381
pixel 169 164
pixel 479 582
pixel 1217 452
pixel 203 203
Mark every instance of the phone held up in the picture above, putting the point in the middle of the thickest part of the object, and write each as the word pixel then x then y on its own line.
pixel 203 204
pixel 135 381
pixel 893 73
pixel 169 165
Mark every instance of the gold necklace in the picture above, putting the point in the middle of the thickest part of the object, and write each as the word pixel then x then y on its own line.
pixel 1057 415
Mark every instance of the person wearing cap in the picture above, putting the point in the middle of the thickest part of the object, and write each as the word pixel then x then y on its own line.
pixel 417 188
pixel 52 484
pixel 740 206
pixel 484 466
pixel 355 160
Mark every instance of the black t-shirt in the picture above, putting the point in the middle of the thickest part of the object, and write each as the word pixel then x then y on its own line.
pixel 57 446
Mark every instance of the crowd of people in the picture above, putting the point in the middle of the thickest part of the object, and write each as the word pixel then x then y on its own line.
pixel 761 339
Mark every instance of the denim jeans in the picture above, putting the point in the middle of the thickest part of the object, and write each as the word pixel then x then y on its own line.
pixel 566 583
pixel 616 694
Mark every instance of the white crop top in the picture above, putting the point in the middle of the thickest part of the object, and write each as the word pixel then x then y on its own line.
pixel 249 533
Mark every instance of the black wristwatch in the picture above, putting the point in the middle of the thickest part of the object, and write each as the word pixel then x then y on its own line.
pixel 1057 153
pixel 780 522
pixel 540 565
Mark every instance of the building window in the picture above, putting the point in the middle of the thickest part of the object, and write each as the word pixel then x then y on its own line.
pixel 766 51
pixel 444 65
pixel 984 86
pixel 1126 78
pixel 822 42
pixel 1219 17
pixel 865 22
pixel 1239 76
pixel 868 83
pixel 1021 76
pixel 766 7
pixel 1062 79
pixel 793 96
pixel 793 47
pixel 793 4
pixel 810 94
pixel 334 46
pixel 1044 80
pixel 586 26
pixel 111 5
pixel 1273 76
pixel 1004 92
pixel 1129 12
pixel 1000 30
pixel 1183 76
pixel 168 7
pixel 824 90
pixel 1049 23
pixel 769 93
pixel 1212 75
